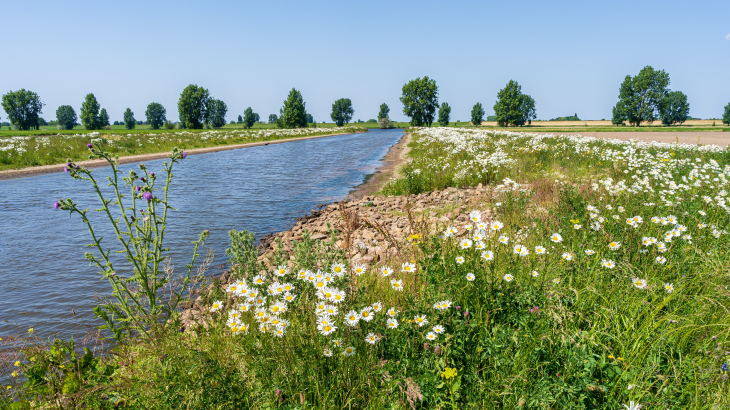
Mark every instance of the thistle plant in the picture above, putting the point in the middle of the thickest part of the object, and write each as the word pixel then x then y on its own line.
pixel 137 301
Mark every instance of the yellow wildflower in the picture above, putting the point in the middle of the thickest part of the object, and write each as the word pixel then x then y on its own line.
pixel 448 373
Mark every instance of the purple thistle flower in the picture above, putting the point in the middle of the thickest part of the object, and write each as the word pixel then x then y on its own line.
pixel 89 145
pixel 65 169
pixel 185 154
pixel 137 188
pixel 147 195
pixel 152 174
pixel 143 180
pixel 56 205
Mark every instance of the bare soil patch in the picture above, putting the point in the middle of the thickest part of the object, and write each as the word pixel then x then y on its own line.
pixel 604 123
pixel 699 137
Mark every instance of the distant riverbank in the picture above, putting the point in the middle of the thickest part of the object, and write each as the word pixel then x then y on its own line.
pixel 46 169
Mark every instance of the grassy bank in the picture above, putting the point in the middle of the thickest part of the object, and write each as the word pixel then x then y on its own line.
pixel 587 274
pixel 21 152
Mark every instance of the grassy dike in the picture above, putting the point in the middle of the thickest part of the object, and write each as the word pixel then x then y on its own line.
pixel 499 270
pixel 21 152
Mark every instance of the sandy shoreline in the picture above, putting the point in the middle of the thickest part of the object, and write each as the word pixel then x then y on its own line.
pixel 388 169
pixel 97 163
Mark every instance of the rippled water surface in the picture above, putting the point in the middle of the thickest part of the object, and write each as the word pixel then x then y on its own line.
pixel 43 274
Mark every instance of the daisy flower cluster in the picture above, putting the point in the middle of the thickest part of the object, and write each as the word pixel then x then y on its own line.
pixel 264 302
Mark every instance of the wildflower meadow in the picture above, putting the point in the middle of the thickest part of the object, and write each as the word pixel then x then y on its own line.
pixel 588 274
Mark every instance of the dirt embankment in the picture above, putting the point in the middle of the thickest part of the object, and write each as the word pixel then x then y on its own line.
pixel 97 163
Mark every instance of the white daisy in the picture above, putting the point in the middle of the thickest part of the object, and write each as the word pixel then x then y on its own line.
pixel 408 267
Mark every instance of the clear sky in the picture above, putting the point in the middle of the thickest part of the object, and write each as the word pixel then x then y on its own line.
pixel 570 56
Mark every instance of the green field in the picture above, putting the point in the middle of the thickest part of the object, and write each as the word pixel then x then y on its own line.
pixel 579 127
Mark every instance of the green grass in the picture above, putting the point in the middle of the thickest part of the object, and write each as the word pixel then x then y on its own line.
pixel 21 152
pixel 559 329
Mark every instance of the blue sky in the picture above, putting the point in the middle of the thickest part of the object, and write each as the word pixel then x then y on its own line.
pixel 571 56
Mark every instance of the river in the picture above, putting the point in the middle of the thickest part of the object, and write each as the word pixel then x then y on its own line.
pixel 43 274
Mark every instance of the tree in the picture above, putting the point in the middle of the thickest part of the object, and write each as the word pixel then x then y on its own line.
pixel 641 95
pixel 310 119
pixel 293 114
pixel 508 108
pixel 527 108
pixel 218 110
pixel 273 118
pixel 420 100
pixel 240 119
pixel 66 117
pixel 726 116
pixel 619 114
pixel 129 121
pixel 444 114
pixel 103 118
pixel 23 108
pixel 249 118
pixel 342 111
pixel 384 111
pixel 193 107
pixel 674 108
pixel 90 112
pixel 477 114
pixel 156 115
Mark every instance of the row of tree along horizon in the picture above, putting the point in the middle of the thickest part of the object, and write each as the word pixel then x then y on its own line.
pixel 642 98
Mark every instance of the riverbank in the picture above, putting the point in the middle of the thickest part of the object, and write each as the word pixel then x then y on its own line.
pixel 58 167
pixel 381 230
pixel 389 169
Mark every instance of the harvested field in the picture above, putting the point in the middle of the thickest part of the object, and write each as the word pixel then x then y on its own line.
pixel 605 123
pixel 702 137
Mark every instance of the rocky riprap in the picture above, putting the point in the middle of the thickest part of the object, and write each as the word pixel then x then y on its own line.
pixel 379 227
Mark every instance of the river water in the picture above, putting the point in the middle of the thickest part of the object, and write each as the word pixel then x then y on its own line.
pixel 43 274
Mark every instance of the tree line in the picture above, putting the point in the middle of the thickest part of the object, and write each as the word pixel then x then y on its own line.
pixel 642 98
